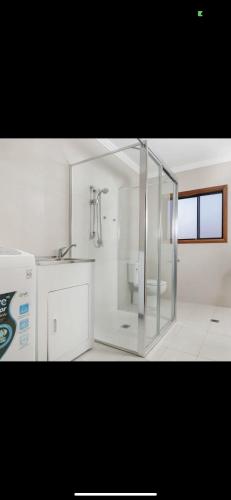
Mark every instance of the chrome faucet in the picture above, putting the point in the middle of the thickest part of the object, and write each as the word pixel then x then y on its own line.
pixel 64 250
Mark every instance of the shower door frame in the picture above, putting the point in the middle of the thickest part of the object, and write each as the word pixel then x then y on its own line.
pixel 145 153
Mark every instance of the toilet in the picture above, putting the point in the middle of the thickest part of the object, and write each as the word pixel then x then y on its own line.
pixel 151 284
pixel 152 287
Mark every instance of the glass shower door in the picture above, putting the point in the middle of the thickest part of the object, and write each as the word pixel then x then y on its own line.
pixel 152 251
pixel 161 250
pixel 168 249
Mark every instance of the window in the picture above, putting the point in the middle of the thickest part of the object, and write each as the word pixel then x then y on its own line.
pixel 202 215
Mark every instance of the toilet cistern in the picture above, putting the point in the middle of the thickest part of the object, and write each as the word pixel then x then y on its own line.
pixel 64 250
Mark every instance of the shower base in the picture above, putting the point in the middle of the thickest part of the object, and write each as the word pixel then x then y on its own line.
pixel 119 328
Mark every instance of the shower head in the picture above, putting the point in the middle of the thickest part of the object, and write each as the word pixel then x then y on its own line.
pixel 104 191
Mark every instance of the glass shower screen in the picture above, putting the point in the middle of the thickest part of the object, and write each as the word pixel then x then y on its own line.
pixel 128 262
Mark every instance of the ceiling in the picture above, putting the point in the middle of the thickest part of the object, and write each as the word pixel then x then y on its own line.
pixel 186 154
pixel 177 154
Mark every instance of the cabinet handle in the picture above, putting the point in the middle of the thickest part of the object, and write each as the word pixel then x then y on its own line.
pixel 55 325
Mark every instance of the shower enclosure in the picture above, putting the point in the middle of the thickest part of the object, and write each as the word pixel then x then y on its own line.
pixel 135 248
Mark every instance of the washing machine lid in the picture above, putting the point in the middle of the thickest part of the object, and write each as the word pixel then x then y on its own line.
pixel 12 257
pixel 9 251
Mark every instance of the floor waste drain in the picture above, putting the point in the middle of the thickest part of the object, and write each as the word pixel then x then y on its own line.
pixel 125 326
pixel 215 320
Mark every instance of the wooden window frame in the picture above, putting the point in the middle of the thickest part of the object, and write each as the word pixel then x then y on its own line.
pixel 210 190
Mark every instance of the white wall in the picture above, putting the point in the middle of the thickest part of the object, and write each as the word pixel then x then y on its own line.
pixel 204 271
pixel 34 195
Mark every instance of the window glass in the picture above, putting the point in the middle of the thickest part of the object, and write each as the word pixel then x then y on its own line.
pixel 187 218
pixel 211 216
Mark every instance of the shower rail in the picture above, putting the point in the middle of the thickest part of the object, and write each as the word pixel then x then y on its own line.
pixel 98 157
pixel 140 142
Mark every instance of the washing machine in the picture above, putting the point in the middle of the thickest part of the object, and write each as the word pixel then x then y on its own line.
pixel 17 305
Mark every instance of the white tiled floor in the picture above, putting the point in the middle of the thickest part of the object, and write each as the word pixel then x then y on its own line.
pixel 193 338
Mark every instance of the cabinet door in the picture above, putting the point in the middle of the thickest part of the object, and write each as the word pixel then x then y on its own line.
pixel 68 323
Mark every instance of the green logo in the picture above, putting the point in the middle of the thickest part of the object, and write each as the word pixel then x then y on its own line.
pixel 200 13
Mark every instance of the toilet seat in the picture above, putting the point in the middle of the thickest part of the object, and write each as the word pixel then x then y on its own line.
pixel 151 282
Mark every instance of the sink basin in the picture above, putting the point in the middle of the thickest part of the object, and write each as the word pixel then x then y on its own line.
pixel 47 261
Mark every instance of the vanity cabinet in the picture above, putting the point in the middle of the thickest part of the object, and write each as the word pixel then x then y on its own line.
pixel 65 304
pixel 68 323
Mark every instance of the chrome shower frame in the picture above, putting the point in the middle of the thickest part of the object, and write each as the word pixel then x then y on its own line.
pixel 145 154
